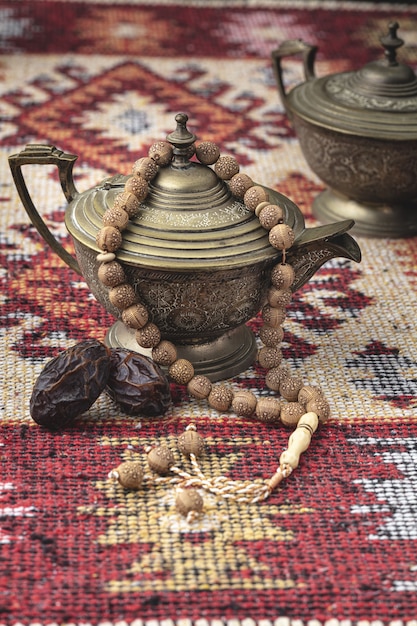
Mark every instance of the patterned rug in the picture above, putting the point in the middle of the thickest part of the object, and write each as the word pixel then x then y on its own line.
pixel 336 544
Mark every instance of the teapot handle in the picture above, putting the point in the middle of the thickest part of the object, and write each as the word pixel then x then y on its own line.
pixel 40 154
pixel 288 48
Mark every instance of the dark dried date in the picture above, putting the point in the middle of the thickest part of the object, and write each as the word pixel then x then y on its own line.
pixel 137 384
pixel 70 383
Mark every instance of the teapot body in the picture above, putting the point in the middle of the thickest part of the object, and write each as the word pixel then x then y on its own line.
pixel 365 169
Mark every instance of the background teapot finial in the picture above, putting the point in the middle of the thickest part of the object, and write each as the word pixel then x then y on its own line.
pixel 182 141
pixel 391 42
pixel 181 136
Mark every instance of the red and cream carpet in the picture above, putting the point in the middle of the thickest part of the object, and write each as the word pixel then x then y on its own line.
pixel 336 545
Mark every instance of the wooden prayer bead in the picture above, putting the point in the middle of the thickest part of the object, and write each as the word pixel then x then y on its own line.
pixel 269 357
pixel 122 296
pixel 129 474
pixel 128 202
pixel 309 392
pixel 273 316
pixel 190 442
pixel 226 167
pixel 161 152
pixel 199 387
pixel 116 217
pixel 138 186
pixel 181 371
pixel 207 152
pixel 145 167
pixel 321 407
pixel 244 403
pixel 268 409
pixel 165 353
pixel 281 237
pixel 270 216
pixel 188 501
pixel 135 316
pixel 220 398
pixel 279 297
pixel 274 377
pixel 282 276
pixel 239 184
pixel 109 239
pixel 290 386
pixel 148 336
pixel 254 196
pixel 291 413
pixel 111 274
pixel 160 460
pixel 270 336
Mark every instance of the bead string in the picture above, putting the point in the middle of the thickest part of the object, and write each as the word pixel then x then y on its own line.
pixel 305 405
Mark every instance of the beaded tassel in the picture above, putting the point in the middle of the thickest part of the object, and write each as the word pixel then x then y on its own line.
pixel 161 462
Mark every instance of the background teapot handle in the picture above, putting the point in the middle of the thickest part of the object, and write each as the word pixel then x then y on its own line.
pixel 289 48
pixel 39 154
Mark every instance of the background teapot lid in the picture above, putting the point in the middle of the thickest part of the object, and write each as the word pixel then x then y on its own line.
pixel 379 100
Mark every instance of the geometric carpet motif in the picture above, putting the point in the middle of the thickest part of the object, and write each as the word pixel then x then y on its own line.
pixel 336 544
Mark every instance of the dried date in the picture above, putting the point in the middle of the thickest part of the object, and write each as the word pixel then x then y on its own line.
pixel 137 384
pixel 70 383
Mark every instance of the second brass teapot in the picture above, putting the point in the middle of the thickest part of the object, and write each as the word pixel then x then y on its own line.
pixel 358 133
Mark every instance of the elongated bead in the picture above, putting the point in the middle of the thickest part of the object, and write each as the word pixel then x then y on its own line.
pixel 299 441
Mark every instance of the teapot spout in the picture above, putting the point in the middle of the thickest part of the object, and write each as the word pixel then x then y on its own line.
pixel 317 245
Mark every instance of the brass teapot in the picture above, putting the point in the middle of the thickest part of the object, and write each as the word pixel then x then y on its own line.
pixel 358 133
pixel 196 256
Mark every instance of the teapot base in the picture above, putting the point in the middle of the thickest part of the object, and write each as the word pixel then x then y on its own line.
pixel 372 220
pixel 222 358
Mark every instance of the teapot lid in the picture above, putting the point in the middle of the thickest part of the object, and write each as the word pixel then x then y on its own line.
pixel 379 100
pixel 189 219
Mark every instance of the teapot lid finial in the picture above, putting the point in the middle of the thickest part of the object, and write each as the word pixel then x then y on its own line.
pixel 386 78
pixel 391 42
pixel 182 141
pixel 181 136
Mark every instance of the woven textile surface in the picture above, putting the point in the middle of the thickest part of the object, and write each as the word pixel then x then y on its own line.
pixel 336 543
